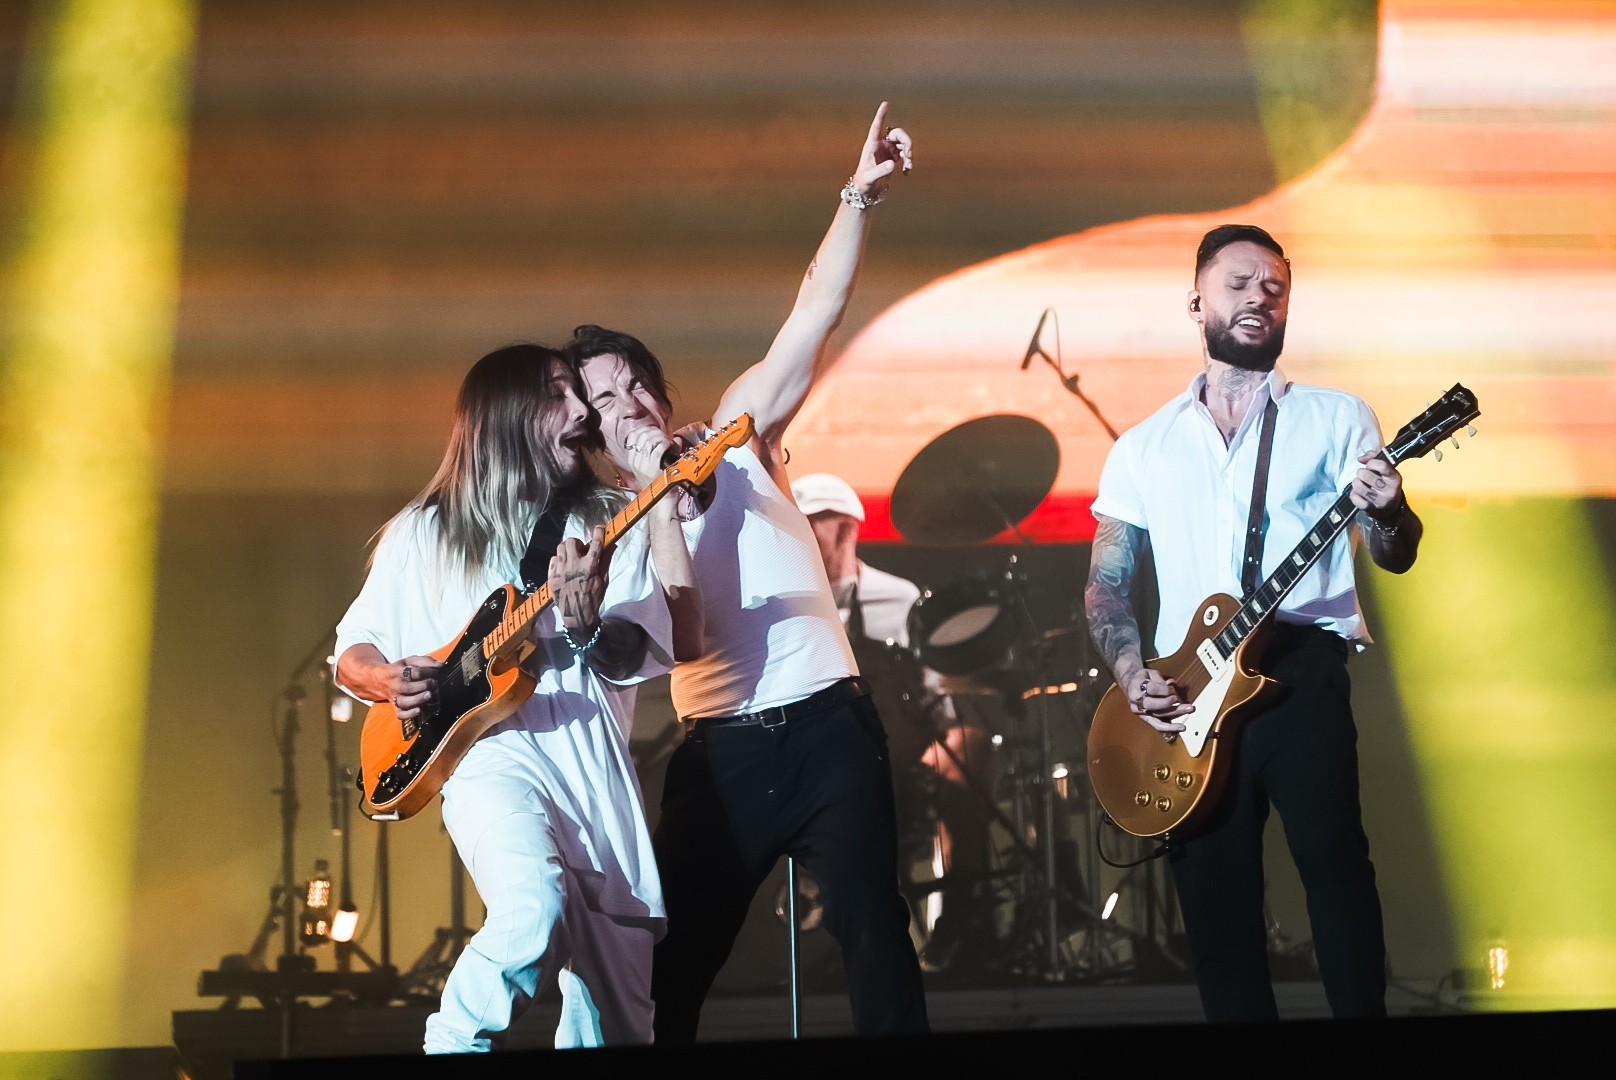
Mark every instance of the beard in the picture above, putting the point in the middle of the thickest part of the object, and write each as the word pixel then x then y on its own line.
pixel 1259 356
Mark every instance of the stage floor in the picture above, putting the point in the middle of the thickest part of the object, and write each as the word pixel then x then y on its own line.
pixel 208 1041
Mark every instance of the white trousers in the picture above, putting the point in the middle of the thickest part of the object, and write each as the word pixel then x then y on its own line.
pixel 539 932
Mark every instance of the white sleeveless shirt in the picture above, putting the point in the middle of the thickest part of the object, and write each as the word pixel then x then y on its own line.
pixel 773 633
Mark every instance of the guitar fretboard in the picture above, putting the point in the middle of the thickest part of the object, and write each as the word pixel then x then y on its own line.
pixel 521 616
pixel 1269 594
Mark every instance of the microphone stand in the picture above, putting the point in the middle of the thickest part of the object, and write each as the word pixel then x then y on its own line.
pixel 291 961
pixel 1068 381
pixel 338 780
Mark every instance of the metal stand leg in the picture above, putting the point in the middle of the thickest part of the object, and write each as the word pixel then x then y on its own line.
pixel 791 920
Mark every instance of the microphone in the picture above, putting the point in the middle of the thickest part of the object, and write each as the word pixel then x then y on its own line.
pixel 675 450
pixel 1032 346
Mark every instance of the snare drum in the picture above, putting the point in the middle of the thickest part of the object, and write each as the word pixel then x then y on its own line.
pixel 963 628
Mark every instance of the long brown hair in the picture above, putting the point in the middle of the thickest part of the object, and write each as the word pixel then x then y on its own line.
pixel 497 475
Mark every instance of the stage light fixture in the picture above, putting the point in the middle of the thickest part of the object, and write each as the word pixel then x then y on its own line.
pixel 1497 964
pixel 345 922
pixel 1061 775
pixel 317 905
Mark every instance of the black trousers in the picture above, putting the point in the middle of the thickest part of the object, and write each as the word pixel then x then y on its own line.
pixel 1301 757
pixel 735 800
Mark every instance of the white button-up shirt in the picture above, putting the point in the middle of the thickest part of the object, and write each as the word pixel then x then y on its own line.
pixel 1172 476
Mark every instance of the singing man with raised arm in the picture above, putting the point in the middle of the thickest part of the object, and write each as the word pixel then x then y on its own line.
pixel 1181 484
pixel 784 752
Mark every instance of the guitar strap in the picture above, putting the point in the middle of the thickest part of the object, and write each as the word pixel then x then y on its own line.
pixel 541 546
pixel 1252 567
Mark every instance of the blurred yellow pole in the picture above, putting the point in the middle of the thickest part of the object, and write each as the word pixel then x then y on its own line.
pixel 90 296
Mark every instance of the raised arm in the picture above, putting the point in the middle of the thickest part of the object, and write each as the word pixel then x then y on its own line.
pixel 774 388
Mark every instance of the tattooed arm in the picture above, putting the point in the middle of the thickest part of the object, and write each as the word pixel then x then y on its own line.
pixel 1114 562
pixel 614 648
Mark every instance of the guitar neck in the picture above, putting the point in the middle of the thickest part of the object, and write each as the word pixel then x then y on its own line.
pixel 1268 595
pixel 520 617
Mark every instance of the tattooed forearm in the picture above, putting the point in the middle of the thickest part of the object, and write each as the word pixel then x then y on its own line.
pixel 1115 559
pixel 619 651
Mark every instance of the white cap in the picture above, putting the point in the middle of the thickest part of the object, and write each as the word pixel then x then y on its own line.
pixel 818 492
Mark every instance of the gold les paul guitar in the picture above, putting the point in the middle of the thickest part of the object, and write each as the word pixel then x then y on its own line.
pixel 1150 783
pixel 403 763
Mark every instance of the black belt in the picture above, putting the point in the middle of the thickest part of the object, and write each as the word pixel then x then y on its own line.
pixel 837 693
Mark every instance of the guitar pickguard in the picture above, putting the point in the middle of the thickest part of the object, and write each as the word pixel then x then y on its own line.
pixel 463 685
pixel 1208 703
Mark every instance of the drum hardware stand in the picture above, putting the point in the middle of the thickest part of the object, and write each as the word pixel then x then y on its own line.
pixel 339 777
pixel 1035 645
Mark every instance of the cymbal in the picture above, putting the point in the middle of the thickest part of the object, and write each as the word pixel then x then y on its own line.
pixel 975 480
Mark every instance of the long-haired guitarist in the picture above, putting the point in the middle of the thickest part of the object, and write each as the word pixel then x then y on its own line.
pixel 544 809
pixel 784 751
pixel 1181 485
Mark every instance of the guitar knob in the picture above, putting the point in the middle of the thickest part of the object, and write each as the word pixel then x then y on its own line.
pixel 1141 798
pixel 1184 780
pixel 1161 772
pixel 1164 804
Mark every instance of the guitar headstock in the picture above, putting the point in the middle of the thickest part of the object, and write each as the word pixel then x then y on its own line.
pixel 695 465
pixel 1420 435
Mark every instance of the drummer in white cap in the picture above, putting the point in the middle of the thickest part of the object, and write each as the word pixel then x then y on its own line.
pixel 875 607
pixel 873 602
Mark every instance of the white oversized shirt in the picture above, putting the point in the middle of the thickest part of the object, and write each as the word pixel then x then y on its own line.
pixel 567 747
pixel 1172 476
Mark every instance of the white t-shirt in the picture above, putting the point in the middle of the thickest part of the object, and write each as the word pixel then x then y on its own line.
pixel 569 741
pixel 1172 476
pixel 772 631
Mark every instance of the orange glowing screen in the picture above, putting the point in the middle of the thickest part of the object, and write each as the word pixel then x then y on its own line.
pixel 1466 232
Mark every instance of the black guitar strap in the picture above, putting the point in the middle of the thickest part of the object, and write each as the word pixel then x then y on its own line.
pixel 1252 567
pixel 541 547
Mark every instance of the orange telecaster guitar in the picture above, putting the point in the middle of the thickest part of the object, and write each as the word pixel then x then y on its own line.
pixel 403 763
pixel 1151 784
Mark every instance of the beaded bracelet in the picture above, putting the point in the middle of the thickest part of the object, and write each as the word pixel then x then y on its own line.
pixel 855 198
pixel 586 646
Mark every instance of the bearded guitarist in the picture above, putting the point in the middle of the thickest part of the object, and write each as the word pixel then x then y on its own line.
pixel 1182 484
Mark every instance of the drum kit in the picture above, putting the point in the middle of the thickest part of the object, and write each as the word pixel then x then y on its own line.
pixel 998 799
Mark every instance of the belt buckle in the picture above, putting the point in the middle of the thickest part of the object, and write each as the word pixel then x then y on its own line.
pixel 776 710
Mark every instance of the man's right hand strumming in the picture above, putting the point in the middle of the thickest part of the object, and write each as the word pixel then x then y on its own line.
pixel 1154 699
pixel 409 685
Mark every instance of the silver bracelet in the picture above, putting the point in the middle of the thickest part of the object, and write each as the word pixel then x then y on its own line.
pixel 1388 529
pixel 586 646
pixel 855 198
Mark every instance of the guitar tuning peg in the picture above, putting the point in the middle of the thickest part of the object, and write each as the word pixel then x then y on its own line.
pixel 1470 429
pixel 1438 454
pixel 1455 442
